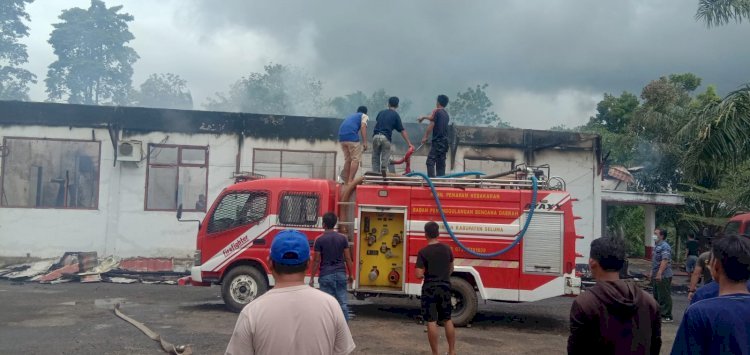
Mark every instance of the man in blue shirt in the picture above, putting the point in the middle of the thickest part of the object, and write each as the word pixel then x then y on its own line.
pixel 709 290
pixel 439 146
pixel 721 325
pixel 350 130
pixel 661 274
pixel 386 122
pixel 333 256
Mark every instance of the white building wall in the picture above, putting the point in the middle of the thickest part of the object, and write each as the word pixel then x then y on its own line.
pixel 579 170
pixel 48 232
pixel 121 225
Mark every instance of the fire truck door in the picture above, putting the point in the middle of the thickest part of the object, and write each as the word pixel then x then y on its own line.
pixel 381 249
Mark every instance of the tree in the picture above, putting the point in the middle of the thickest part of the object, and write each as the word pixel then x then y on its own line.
pixel 280 90
pixel 721 12
pixel 614 113
pixel 94 65
pixel 14 81
pixel 378 100
pixel 166 91
pixel 718 135
pixel 474 108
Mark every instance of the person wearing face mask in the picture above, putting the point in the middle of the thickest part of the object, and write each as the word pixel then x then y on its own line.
pixel 661 274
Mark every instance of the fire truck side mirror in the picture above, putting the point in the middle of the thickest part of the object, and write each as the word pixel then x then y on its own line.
pixel 179 212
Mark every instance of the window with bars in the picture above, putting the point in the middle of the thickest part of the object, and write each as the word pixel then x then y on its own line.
pixel 176 175
pixel 238 209
pixel 298 209
pixel 50 173
pixel 295 164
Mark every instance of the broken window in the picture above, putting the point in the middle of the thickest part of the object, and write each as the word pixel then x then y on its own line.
pixel 50 173
pixel 299 209
pixel 296 164
pixel 238 209
pixel 176 175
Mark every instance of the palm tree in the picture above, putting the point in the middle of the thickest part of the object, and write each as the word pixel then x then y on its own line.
pixel 718 136
pixel 720 12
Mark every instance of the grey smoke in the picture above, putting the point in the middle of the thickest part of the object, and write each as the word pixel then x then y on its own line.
pixel 547 63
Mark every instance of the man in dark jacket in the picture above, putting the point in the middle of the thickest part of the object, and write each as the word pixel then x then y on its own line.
pixel 613 317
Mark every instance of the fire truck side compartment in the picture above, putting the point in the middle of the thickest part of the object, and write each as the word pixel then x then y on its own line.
pixel 380 260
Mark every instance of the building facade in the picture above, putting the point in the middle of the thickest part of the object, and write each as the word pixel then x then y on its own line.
pixel 110 179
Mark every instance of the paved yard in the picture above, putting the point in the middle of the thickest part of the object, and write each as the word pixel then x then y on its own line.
pixel 78 319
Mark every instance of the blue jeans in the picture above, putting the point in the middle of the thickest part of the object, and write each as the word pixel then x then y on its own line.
pixel 335 285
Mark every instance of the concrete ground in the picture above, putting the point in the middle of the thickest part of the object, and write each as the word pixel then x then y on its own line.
pixel 77 318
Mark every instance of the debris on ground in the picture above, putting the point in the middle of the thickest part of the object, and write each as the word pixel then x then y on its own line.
pixel 28 271
pixel 122 280
pixel 86 267
pixel 147 264
pixel 59 273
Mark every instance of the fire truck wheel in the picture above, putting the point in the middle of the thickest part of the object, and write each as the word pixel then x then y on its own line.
pixel 241 285
pixel 464 302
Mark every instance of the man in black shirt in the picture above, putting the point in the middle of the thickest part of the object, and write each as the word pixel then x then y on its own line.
pixel 439 126
pixel 386 121
pixel 435 265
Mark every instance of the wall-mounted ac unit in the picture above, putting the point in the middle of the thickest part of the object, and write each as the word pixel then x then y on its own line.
pixel 129 151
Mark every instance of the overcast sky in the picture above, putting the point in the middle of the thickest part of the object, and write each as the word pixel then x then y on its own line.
pixel 547 62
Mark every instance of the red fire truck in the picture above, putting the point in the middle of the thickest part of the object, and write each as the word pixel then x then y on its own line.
pixel 384 218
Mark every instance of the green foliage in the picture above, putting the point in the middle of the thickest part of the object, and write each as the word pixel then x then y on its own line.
pixel 718 135
pixel 94 65
pixel 627 222
pixel 614 113
pixel 705 99
pixel 721 12
pixel 685 81
pixel 165 91
pixel 345 105
pixel 713 206
pixel 280 90
pixel 474 108
pixel 14 80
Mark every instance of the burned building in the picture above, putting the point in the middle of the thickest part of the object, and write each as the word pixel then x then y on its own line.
pixel 110 179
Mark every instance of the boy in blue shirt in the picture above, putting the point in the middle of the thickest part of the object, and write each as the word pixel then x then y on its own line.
pixel 721 325
pixel 350 131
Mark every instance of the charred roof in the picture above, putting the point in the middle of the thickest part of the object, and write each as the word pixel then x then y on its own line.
pixel 139 119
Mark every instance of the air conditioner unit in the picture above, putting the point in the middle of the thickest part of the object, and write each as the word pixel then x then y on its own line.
pixel 129 151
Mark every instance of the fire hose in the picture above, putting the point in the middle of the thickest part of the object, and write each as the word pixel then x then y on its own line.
pixel 520 234
pixel 168 347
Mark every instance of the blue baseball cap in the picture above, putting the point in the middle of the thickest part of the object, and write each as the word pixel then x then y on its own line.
pixel 290 247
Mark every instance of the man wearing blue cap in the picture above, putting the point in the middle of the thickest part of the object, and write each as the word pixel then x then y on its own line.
pixel 291 318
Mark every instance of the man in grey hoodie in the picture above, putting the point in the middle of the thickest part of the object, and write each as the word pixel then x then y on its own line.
pixel 613 317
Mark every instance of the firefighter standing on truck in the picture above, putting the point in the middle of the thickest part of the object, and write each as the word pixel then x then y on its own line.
pixel 439 119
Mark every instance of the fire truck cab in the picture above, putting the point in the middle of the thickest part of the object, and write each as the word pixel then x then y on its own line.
pixel 384 218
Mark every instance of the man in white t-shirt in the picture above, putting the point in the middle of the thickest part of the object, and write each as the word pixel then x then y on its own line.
pixel 292 318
